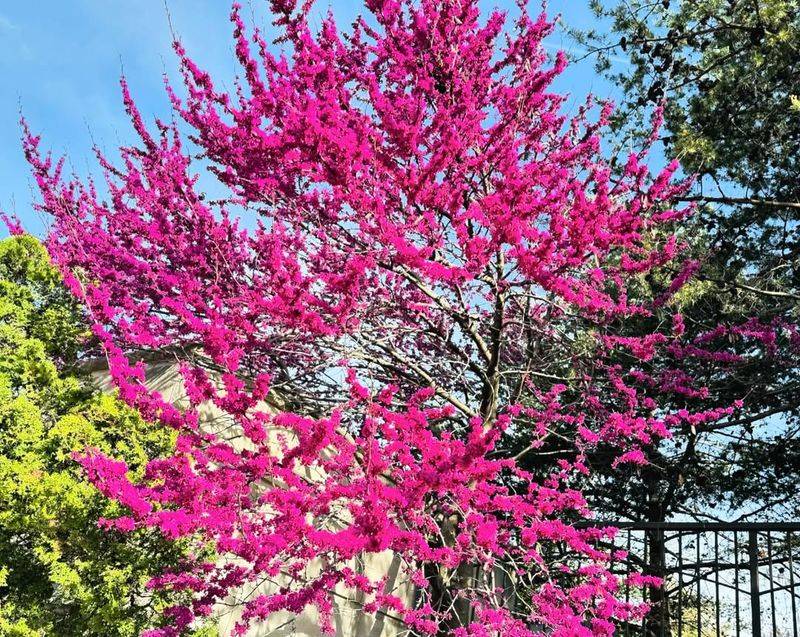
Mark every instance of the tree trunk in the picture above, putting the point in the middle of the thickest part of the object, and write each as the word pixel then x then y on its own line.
pixel 444 584
pixel 657 622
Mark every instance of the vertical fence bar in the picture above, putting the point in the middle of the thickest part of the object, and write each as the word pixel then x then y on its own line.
pixel 699 592
pixel 627 583
pixel 646 540
pixel 680 584
pixel 736 581
pixel 789 543
pixel 716 583
pixel 755 593
pixel 666 629
pixel 771 586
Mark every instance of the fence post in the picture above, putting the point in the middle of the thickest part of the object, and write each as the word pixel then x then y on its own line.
pixel 755 594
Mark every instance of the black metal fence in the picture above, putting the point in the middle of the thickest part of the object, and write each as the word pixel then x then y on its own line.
pixel 719 580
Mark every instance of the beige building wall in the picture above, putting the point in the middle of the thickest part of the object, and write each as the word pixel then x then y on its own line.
pixel 349 620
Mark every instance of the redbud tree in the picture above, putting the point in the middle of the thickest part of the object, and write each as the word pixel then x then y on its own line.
pixel 416 240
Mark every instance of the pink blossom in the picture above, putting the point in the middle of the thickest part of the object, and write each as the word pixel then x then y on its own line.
pixel 410 222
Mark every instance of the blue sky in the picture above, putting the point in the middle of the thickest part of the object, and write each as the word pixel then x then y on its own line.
pixel 60 63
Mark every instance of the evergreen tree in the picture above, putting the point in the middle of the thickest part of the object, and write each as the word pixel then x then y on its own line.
pixel 728 75
pixel 60 573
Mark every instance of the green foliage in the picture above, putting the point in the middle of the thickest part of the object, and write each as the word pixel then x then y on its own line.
pixel 60 574
pixel 729 73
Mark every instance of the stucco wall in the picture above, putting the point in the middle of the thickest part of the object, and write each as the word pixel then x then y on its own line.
pixel 349 620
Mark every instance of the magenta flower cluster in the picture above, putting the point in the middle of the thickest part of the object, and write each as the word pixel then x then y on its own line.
pixel 407 211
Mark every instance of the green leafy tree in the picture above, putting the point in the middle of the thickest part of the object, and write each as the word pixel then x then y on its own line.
pixel 60 574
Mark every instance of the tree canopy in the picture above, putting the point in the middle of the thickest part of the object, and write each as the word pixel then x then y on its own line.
pixel 424 257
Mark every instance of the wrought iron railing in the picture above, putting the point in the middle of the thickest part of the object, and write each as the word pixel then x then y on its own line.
pixel 719 579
